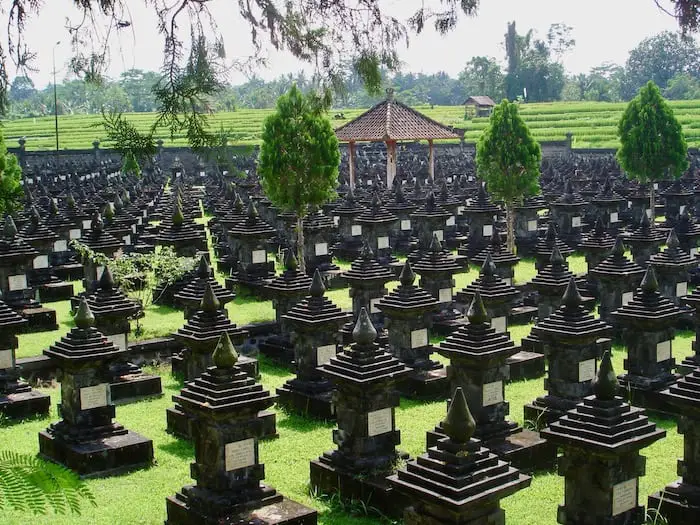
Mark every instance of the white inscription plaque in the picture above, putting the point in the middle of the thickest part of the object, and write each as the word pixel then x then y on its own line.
pixel 379 422
pixel 356 230
pixel 239 454
pixel 405 225
pixel 373 305
pixel 324 354
pixel 492 393
pixel 663 351
pixel 445 295
pixel 532 225
pixel 681 289
pixel 75 233
pixel 321 248
pixel 5 359
pixel 419 338
pixel 40 261
pixel 87 224
pixel 118 340
pixel 627 297
pixel 499 324
pixel 586 370
pixel 451 221
pixel 624 496
pixel 60 246
pixel 17 282
pixel 576 222
pixel 488 230
pixel 98 272
pixel 439 234
pixel 614 217
pixel 382 243
pixel 94 396
pixel 259 256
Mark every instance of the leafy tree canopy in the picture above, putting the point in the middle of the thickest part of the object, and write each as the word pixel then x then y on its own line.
pixel 11 192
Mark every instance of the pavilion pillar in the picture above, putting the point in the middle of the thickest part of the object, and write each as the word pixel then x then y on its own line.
pixel 351 164
pixel 431 153
pixel 390 163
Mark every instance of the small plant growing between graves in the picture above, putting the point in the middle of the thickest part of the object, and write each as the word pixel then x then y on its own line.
pixel 29 484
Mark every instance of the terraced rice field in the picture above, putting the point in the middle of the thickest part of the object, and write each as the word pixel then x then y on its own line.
pixel 593 124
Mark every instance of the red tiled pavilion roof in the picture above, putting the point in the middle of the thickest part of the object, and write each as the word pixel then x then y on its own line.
pixel 391 120
pixel 480 100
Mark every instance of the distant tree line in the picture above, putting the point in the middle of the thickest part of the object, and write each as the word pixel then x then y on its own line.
pixel 532 71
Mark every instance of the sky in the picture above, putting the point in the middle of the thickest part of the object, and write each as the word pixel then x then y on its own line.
pixel 604 30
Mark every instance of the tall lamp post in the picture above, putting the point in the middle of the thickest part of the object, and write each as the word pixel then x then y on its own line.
pixel 55 101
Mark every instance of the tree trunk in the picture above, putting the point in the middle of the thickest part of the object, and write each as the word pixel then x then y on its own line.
pixel 300 244
pixel 510 219
pixel 652 203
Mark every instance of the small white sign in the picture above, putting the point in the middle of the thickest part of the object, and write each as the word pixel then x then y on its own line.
pixel 629 204
pixel 259 256
pixel 649 213
pixel 439 234
pixel 87 224
pixel 419 338
pixel 451 221
pixel 144 213
pixel 693 251
pixel 139 222
pixel 379 422
pixel 382 243
pixel 17 282
pixel 133 227
pixel 460 210
pixel 492 393
pixel 663 351
pixel 373 305
pixel 127 240
pixel 682 210
pixel 118 340
pixel 99 270
pixel 40 261
pixel 60 246
pixel 586 370
pixel 499 324
pixel 488 230
pixel 336 220
pixel 627 297
pixel 624 496
pixel 239 454
pixel 508 281
pixel 356 230
pixel 405 225
pixel 6 359
pixel 576 222
pixel 324 354
pixel 321 248
pixel 94 396
pixel 75 233
pixel 614 217
pixel 445 295
pixel 681 289
pixel 656 185
pixel 532 225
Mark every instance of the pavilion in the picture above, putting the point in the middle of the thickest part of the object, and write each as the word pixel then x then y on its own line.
pixel 391 121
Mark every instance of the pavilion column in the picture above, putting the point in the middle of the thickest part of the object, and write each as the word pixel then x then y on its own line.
pixel 351 164
pixel 390 163
pixel 431 158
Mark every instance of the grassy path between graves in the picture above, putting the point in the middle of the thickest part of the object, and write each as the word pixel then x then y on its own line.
pixel 139 497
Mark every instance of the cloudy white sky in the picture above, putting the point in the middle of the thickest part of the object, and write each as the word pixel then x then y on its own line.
pixel 605 31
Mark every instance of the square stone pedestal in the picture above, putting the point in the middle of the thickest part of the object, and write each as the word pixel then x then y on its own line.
pixel 277 348
pixel 40 319
pixel 24 404
pixel 651 400
pixel 316 406
pixel 426 385
pixel 180 424
pixel 102 457
pixel 281 511
pixel 52 292
pixel 525 365
pixel 135 387
pixel 680 504
pixel 374 491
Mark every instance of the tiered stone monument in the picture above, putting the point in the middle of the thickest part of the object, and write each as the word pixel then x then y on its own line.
pixel 87 440
pixel 567 213
pixel 17 399
pixel 573 340
pixel 436 269
pixel 692 362
pixel 671 267
pixel 183 235
pixel 191 294
pixel 481 214
pixel 99 241
pixel 647 324
pixel 497 295
pixel 401 236
pixel 526 225
pixel 601 438
pixel 377 223
pixel 478 357
pixel 545 245
pixel 350 233
pixel 617 278
pixel 645 241
pixel 428 222
pixel 408 320
pixel 550 283
pixel 688 232
pixel 314 324
pixel 113 311
pixel 596 246
pixel 677 199
pixel 458 481
pixel 503 259
pixel 226 402
pixel 679 502
pixel 318 230
pixel 365 397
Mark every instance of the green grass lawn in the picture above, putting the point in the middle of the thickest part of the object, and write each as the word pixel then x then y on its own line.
pixel 139 497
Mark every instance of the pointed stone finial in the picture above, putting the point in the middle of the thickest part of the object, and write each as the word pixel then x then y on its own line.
pixel 238 203
pixel 572 298
pixel 646 221
pixel 496 241
pixel 225 355
pixel 290 261
pixel 364 332
pixel 84 318
pixel 459 425
pixel 107 279
pixel 408 276
pixel 178 217
pixel 350 196
pixel 430 200
pixel 398 193
pixel 568 187
pixel 477 312
pixel 53 208
pixel 317 288
pixel 35 217
pixel 252 211
pixel 118 203
pixel 605 384
pixel 366 253
pixel 210 302
pixel 435 244
pixel 488 269
pixel 97 224
pixel 672 241
pixel 551 235
pixel 556 258
pixel 203 271
pixel 619 247
pixel 649 282
pixel 10 230
pixel 598 228
pixel 376 203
